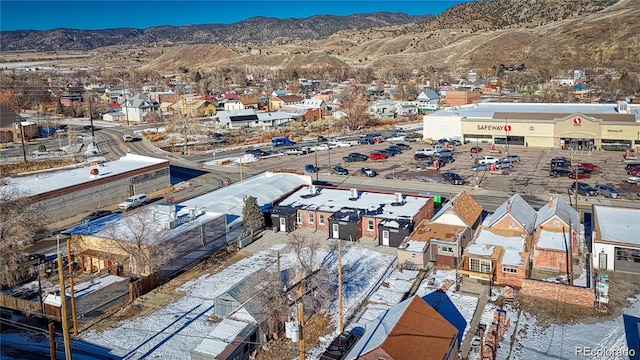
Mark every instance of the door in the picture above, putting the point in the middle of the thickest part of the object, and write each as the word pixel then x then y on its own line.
pixel 283 224
pixel 602 261
pixel 336 231
pixel 385 237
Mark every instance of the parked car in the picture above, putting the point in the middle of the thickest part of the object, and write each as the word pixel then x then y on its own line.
pixel 446 159
pixel 96 215
pixel 340 170
pixel 480 167
pixel 395 148
pixel 127 137
pixel 632 165
pixel 310 168
pixel 403 146
pixel 579 175
pixel 606 190
pixel 422 157
pixel 368 172
pixel 378 156
pixel 633 180
pixel 512 158
pixel 445 152
pixel 584 189
pixel 134 201
pixel 504 164
pixel 453 178
pixel 340 346
pixel 560 164
pixel 355 157
pixel 391 151
pixel 587 166
pixel 476 149
pixel 561 158
pixel 487 160
pixel 321 138
pixel 456 142
pixel 634 171
pixel 560 172
pixel 321 147
pixel 366 141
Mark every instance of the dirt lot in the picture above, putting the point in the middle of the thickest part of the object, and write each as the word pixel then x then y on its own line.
pixel 529 176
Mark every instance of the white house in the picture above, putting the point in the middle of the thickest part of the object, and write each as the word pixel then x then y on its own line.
pixel 428 100
pixel 615 239
pixel 137 107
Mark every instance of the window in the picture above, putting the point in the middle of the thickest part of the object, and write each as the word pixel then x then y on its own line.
pixel 447 250
pixel 413 255
pixel 321 219
pixel 311 218
pixel 370 225
pixel 556 223
pixel 509 270
pixel 513 225
pixel 480 265
pixel 299 218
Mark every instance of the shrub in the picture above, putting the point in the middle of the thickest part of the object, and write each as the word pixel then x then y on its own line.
pixel 42 148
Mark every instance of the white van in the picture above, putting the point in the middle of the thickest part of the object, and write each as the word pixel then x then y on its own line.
pixel 133 202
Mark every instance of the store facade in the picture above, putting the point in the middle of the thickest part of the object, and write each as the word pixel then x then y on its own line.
pixel 554 130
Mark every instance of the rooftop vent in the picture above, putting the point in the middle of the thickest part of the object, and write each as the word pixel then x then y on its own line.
pixel 353 194
pixel 312 189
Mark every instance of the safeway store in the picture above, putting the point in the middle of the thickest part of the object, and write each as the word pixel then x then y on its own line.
pixel 568 126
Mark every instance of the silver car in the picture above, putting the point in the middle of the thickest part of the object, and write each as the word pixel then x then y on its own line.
pixel 504 164
pixel 606 190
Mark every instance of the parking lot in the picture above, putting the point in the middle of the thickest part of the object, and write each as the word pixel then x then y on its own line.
pixel 529 176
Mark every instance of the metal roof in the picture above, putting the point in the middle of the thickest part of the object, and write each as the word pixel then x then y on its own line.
pixel 521 211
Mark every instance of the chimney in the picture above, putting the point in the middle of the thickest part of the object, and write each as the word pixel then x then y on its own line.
pixel 550 202
pixel 508 206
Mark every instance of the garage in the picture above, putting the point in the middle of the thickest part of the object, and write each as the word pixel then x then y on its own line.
pixel 627 260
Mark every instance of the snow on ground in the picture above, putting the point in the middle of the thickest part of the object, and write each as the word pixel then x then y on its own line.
pixel 172 331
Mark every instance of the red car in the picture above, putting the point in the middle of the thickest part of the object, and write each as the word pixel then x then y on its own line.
pixel 377 156
pixel 634 171
pixel 580 175
pixel 476 150
pixel 587 166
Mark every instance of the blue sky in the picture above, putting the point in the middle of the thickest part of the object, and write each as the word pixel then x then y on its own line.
pixel 90 14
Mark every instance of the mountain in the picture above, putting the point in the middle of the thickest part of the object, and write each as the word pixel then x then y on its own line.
pixel 256 30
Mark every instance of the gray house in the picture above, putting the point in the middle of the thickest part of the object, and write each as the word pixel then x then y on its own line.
pixel 391 232
pixel 346 224
pixel 283 218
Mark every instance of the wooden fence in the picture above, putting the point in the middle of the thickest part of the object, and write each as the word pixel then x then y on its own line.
pixel 20 304
pixel 143 285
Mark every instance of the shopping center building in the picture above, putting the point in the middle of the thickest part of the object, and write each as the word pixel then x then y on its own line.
pixel 576 126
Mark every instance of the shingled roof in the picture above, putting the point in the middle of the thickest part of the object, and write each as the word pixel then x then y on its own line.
pixel 464 206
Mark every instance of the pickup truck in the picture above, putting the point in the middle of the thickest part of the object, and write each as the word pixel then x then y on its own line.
pixel 431 150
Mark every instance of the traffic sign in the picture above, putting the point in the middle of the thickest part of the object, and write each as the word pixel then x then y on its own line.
pixel 507 128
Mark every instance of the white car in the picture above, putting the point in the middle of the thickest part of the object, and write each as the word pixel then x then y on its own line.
pixel 134 201
pixel 488 160
pixel 321 147
pixel 339 144
pixel 634 180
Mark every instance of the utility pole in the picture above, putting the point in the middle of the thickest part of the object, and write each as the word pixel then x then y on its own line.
pixel 93 135
pixel 240 167
pixel 126 108
pixel 63 307
pixel 301 316
pixel 315 154
pixel 71 291
pixel 570 279
pixel 52 341
pixel 340 315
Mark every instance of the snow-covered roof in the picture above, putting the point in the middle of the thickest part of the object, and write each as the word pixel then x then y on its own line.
pixel 224 334
pixel 374 204
pixel 519 209
pixel 463 206
pixel 266 188
pixel 122 227
pixel 512 245
pixel 553 240
pixel 415 246
pixel 620 225
pixel 560 208
pixel 479 249
pixel 44 182
pixel 488 110
pixel 84 288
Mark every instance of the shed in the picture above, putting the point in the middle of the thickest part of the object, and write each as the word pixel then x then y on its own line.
pixel 346 224
pixel 391 232
pixel 284 217
pixel 231 339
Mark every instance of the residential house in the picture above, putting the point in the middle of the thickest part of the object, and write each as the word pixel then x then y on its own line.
pixel 280 92
pixel 462 210
pixel 428 100
pixel 383 109
pixel 113 94
pixel 241 103
pixel 283 100
pixel 497 255
pixel 194 108
pixel 406 108
pixel 409 330
pixel 431 243
pixel 12 127
pixel 514 214
pixel 558 231
pixel 350 214
pixel 615 240
pixel 440 302
pixel 137 107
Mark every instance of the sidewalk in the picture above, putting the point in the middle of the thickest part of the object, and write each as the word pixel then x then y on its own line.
pixel 473 325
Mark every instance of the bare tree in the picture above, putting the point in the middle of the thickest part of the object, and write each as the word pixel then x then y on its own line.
pixel 140 236
pixel 305 250
pixel 272 302
pixel 353 102
pixel 154 119
pixel 19 222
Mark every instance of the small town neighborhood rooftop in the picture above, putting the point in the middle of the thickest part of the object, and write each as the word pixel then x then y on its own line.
pixel 85 288
pixel 373 204
pixel 512 245
pixel 619 225
pixel 44 182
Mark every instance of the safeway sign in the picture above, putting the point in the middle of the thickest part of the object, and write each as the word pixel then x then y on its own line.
pixel 507 128
pixel 577 120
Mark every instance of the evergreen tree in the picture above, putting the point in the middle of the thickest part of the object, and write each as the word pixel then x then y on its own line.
pixel 252 215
